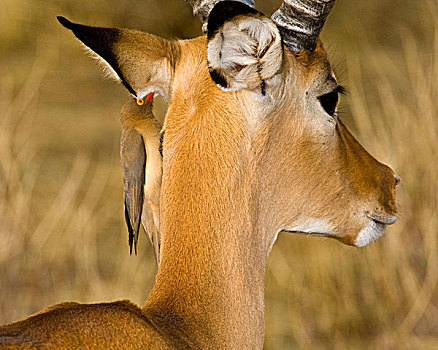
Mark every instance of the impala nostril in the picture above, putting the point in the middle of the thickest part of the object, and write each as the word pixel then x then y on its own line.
pixel 397 180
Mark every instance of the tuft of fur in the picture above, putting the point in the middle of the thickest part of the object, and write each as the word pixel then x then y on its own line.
pixel 245 53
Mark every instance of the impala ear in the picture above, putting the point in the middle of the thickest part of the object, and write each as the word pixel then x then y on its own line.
pixel 244 47
pixel 142 62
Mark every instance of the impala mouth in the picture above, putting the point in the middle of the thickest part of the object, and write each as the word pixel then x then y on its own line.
pixel 383 220
pixel 374 230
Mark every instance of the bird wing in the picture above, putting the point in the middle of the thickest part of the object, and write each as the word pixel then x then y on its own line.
pixel 133 161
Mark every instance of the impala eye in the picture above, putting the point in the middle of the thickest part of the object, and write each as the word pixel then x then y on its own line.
pixel 330 101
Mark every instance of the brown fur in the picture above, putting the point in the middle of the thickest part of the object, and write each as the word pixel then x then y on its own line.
pixel 117 325
pixel 237 169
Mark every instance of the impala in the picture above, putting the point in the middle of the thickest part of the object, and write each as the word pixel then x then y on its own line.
pixel 252 146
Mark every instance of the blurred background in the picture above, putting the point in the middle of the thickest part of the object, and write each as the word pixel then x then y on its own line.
pixel 62 231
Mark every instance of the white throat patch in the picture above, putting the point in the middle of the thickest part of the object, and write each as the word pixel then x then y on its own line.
pixel 370 233
pixel 311 226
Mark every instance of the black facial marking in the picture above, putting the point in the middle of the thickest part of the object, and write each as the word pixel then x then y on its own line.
pixel 218 78
pixel 222 45
pixel 101 41
pixel 160 148
pixel 263 88
pixel 225 11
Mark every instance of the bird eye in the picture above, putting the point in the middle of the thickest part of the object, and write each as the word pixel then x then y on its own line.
pixel 329 102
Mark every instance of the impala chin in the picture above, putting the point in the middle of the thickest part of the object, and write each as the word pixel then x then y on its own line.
pixel 373 231
pixel 370 233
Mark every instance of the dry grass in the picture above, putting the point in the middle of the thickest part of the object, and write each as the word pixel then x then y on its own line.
pixel 61 223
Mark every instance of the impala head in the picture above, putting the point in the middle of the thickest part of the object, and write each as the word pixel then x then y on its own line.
pixel 272 79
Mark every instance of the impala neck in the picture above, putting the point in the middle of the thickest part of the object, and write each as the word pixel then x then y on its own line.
pixel 209 287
